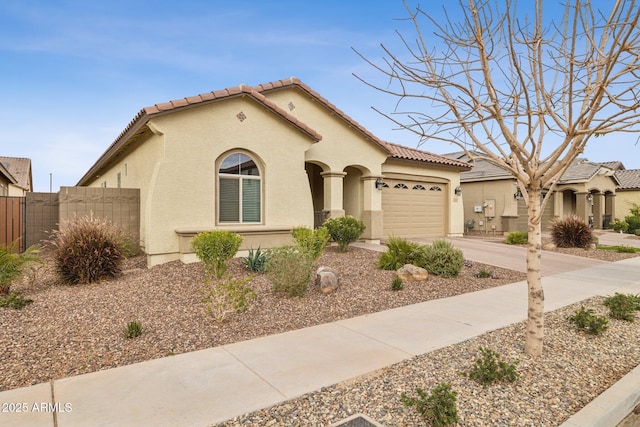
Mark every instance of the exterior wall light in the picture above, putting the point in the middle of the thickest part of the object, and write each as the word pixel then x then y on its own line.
pixel 379 184
pixel 518 194
pixel 458 191
pixel 590 197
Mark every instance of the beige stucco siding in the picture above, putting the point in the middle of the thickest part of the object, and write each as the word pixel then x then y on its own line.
pixel 477 193
pixel 624 201
pixel 180 175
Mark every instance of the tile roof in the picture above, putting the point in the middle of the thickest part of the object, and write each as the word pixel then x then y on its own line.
pixel 257 93
pixel 614 165
pixel 4 172
pixel 407 153
pixel 629 179
pixel 20 169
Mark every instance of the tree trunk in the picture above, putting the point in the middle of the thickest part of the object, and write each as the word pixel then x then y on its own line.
pixel 535 318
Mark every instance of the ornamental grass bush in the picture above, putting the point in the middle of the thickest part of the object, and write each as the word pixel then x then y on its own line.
pixel 571 232
pixel 399 252
pixel 88 249
pixel 14 265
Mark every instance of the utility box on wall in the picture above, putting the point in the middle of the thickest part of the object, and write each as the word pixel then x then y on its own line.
pixel 477 209
pixel 489 208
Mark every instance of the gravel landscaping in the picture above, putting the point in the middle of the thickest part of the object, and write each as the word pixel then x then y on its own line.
pixel 72 330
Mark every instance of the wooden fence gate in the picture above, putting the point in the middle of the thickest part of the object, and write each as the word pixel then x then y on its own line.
pixel 12 221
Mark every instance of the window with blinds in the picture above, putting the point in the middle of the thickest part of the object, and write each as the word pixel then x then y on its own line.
pixel 239 190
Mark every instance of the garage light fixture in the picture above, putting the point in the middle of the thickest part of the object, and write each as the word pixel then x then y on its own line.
pixel 518 194
pixel 590 197
pixel 458 191
pixel 379 184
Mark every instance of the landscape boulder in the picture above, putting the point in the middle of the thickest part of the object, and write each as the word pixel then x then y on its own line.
pixel 412 273
pixel 327 279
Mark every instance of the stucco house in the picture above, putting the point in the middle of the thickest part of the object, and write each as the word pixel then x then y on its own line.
pixel 19 168
pixel 628 191
pixel 494 204
pixel 261 160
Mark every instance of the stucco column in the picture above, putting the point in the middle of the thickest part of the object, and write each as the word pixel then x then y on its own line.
pixel 598 205
pixel 333 188
pixel 372 209
pixel 583 207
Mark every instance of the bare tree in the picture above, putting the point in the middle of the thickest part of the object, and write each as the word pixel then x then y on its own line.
pixel 525 92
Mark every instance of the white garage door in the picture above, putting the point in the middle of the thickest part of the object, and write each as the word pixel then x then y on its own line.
pixel 414 209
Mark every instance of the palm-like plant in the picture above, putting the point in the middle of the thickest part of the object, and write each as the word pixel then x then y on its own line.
pixel 14 264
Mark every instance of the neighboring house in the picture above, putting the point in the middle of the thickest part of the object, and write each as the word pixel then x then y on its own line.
pixel 493 201
pixel 628 192
pixel 6 179
pixel 261 160
pixel 20 169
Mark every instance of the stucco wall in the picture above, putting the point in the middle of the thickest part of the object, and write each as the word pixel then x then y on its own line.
pixel 476 193
pixel 624 199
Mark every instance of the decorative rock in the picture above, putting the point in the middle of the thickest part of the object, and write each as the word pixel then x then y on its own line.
pixel 549 247
pixel 411 273
pixel 327 279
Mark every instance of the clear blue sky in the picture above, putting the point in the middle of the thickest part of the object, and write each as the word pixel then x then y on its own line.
pixel 74 73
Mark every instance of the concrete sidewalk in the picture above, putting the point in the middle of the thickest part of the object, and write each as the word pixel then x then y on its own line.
pixel 217 384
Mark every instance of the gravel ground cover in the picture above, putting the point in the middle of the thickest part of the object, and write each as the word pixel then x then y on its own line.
pixel 72 330
pixel 573 370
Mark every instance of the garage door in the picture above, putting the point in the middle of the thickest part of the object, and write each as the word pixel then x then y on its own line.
pixel 414 209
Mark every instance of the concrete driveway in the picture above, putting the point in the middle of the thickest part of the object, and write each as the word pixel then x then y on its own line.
pixel 611 238
pixel 514 257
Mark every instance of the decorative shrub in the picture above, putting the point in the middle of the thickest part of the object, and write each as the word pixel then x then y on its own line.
pixel 14 300
pixel 619 226
pixel 623 307
pixel 396 284
pixel 571 232
pixel 311 241
pixel 133 329
pixel 489 369
pixel 442 259
pixel 483 274
pixel 633 222
pixel 226 296
pixel 289 270
pixel 215 248
pixel 585 320
pixel 399 252
pixel 344 230
pixel 13 265
pixel 517 238
pixel 256 260
pixel 438 408
pixel 87 249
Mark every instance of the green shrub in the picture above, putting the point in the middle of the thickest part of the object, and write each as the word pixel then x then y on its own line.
pixel 289 270
pixel 226 296
pixel 585 320
pixel 517 238
pixel 438 408
pixel 396 284
pixel 619 226
pixel 623 307
pixel 634 223
pixel 13 265
pixel 133 329
pixel 571 232
pixel 87 249
pixel 399 252
pixel 344 230
pixel 627 249
pixel 311 241
pixel 489 369
pixel 256 260
pixel 483 274
pixel 215 248
pixel 14 300
pixel 442 259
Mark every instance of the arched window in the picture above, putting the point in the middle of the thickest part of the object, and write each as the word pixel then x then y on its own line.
pixel 435 188
pixel 239 190
pixel 419 187
pixel 401 185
